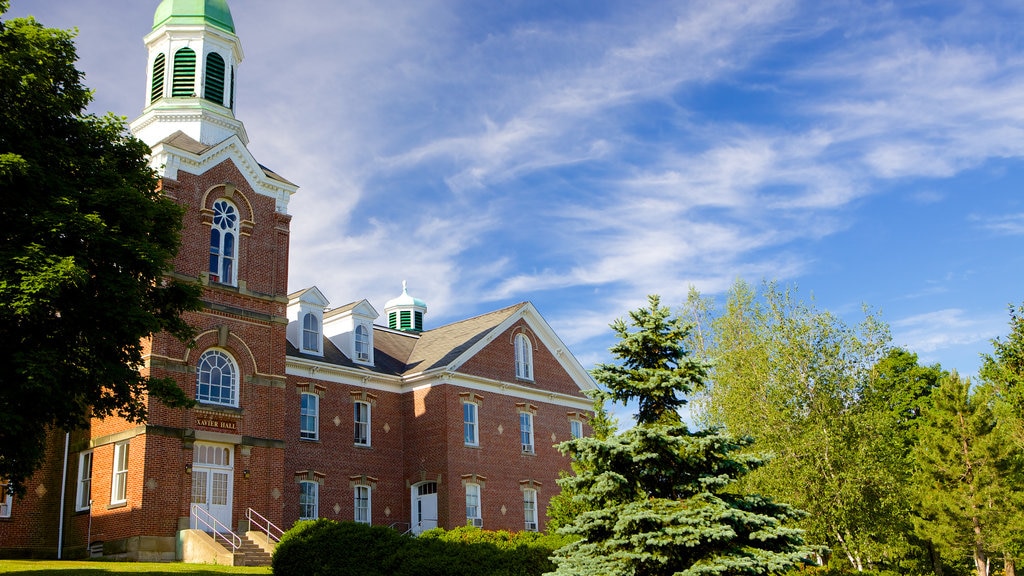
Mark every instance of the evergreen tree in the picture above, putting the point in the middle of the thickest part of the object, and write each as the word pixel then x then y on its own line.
pixel 968 475
pixel 661 499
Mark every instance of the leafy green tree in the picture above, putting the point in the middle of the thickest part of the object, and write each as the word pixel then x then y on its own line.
pixel 1004 370
pixel 85 242
pixel 794 378
pixel 661 499
pixel 968 475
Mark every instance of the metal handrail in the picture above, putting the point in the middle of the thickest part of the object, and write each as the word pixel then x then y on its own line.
pixel 235 541
pixel 273 536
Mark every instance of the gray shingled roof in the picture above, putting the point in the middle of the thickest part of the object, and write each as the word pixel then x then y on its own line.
pixel 399 353
pixel 183 141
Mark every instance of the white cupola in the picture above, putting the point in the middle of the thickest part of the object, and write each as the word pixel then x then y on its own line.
pixel 193 56
pixel 405 313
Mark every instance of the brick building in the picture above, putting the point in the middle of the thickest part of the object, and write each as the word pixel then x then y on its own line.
pixel 303 410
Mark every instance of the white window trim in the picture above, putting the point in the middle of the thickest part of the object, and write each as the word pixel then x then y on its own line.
pixel 356 423
pixel 316 500
pixel 312 334
pixel 475 424
pixel 369 504
pixel 527 445
pixel 83 491
pixel 575 429
pixel 530 519
pixel 119 476
pixel 477 518
pixel 236 236
pixel 366 356
pixel 6 501
pixel 524 357
pixel 235 377
pixel 313 434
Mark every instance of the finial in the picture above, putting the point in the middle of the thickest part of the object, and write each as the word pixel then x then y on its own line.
pixel 404 287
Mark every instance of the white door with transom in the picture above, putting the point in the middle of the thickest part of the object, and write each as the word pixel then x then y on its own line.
pixel 424 507
pixel 212 480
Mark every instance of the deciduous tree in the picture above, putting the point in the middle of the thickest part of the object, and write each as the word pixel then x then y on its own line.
pixel 85 242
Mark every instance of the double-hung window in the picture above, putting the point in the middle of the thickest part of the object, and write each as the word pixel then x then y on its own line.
pixel 361 418
pixel 526 432
pixel 473 516
pixel 309 497
pixel 362 344
pixel 576 429
pixel 5 500
pixel 362 504
pixel 311 333
pixel 119 483
pixel 309 417
pixel 530 508
pixel 83 493
pixel 470 424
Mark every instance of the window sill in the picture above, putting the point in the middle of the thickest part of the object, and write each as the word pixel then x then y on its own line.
pixel 82 511
pixel 363 446
pixel 118 505
pixel 316 440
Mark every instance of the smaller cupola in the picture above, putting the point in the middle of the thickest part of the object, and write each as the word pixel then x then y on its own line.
pixel 405 313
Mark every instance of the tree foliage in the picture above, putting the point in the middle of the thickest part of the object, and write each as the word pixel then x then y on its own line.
pixel 798 379
pixel 85 243
pixel 968 475
pixel 661 499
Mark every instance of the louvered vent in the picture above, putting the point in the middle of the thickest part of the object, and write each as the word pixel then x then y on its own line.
pixel 214 91
pixel 184 73
pixel 159 66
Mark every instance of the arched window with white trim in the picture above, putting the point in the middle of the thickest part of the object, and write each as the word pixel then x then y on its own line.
pixel 524 357
pixel 311 333
pixel 362 344
pixel 224 243
pixel 217 378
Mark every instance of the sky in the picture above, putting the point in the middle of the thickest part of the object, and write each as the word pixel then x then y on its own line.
pixel 582 154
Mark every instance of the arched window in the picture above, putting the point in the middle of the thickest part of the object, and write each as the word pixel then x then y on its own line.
pixel 217 379
pixel 524 357
pixel 224 243
pixel 362 343
pixel 214 78
pixel 311 333
pixel 184 80
pixel 159 69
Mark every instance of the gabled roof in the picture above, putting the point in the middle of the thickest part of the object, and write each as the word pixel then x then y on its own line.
pixel 311 295
pixel 448 347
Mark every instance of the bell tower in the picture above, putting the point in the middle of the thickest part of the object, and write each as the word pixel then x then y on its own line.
pixel 193 56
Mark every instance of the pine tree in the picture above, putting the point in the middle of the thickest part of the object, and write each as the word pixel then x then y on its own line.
pixel 968 475
pixel 660 498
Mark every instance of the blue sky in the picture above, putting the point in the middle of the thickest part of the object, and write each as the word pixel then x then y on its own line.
pixel 583 154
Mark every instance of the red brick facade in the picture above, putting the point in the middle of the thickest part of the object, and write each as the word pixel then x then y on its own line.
pixel 416 396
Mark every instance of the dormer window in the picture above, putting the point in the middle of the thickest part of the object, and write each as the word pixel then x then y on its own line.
pixel 224 243
pixel 311 333
pixel 362 343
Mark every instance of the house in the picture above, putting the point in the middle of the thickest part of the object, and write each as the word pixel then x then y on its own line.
pixel 303 410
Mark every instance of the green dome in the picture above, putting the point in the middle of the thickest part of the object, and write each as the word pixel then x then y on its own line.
pixel 213 12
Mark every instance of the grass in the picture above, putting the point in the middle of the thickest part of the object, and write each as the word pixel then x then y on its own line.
pixel 94 568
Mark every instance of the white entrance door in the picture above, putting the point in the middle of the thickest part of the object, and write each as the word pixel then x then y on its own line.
pixel 212 479
pixel 424 507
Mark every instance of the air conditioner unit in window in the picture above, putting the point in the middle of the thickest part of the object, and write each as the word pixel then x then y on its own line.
pixel 477 522
pixel 528 448
pixel 363 356
pixel 531 526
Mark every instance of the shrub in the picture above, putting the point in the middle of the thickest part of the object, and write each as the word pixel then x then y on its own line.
pixel 329 548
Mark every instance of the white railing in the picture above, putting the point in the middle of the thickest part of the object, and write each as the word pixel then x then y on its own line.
pixel 216 527
pixel 266 526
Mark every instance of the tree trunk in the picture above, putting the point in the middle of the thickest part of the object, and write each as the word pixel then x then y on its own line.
pixel 980 561
pixel 1009 568
pixel 936 558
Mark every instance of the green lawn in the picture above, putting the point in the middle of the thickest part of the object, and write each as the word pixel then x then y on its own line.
pixel 92 568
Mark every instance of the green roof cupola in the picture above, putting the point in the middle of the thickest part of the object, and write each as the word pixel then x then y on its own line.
pixel 195 12
pixel 405 313
pixel 193 56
